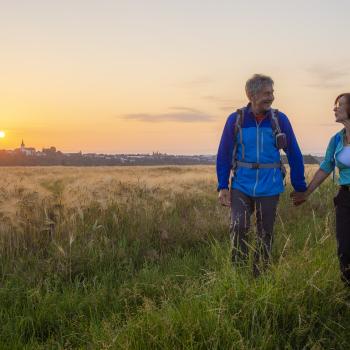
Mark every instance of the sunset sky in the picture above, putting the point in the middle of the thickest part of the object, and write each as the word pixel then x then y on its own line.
pixel 131 76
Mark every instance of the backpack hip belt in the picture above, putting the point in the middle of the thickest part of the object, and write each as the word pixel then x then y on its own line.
pixel 258 165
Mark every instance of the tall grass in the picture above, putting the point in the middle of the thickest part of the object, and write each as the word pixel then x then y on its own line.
pixel 106 260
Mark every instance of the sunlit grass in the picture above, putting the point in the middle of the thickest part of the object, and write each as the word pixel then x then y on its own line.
pixel 139 258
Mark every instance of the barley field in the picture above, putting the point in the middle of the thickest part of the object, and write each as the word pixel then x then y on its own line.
pixel 139 258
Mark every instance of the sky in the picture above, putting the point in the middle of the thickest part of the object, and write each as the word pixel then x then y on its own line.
pixel 140 77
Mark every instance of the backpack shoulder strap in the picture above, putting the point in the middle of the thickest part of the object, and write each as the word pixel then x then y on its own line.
pixel 239 121
pixel 237 129
pixel 275 121
pixel 277 130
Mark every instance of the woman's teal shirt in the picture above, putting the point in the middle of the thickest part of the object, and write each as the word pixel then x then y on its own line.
pixel 330 161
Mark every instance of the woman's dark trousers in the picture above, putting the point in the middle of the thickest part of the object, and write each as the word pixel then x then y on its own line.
pixel 342 215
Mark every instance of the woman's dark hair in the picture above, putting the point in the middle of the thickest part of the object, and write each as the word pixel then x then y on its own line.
pixel 347 99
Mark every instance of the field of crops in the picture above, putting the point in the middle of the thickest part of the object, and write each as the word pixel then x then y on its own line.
pixel 139 258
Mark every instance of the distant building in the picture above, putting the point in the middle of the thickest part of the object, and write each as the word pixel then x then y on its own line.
pixel 77 154
pixel 49 151
pixel 28 151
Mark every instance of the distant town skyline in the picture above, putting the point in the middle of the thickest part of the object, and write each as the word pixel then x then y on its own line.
pixel 29 156
pixel 35 150
pixel 130 77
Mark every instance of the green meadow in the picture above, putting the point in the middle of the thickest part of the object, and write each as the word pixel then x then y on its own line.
pixel 139 258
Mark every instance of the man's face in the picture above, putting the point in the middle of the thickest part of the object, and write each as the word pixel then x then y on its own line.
pixel 262 100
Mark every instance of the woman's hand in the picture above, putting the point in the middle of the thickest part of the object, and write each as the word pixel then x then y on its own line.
pixel 301 197
pixel 298 197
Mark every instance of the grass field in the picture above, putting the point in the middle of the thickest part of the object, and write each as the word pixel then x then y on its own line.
pixel 139 258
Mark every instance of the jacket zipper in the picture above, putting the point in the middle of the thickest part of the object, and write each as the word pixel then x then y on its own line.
pixel 257 156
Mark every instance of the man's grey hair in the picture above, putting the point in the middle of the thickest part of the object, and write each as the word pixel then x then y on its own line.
pixel 256 83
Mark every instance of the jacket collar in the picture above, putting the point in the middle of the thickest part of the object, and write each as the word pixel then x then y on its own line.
pixel 248 107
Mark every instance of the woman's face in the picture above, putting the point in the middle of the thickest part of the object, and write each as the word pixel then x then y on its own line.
pixel 340 110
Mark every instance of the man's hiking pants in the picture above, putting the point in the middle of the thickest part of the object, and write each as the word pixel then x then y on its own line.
pixel 242 208
pixel 342 215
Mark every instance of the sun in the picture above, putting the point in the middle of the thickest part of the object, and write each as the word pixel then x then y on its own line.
pixel 2 134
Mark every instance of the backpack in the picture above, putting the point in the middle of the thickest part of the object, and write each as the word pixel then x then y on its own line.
pixel 281 143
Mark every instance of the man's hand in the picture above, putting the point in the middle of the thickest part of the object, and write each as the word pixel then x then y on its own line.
pixel 298 197
pixel 224 197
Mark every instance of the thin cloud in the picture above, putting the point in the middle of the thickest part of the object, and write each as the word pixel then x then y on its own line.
pixel 185 109
pixel 326 77
pixel 170 117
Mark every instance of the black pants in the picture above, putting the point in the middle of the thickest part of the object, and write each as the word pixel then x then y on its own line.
pixel 342 215
pixel 242 207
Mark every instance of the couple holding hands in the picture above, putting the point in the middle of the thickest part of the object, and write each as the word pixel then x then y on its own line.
pixel 250 149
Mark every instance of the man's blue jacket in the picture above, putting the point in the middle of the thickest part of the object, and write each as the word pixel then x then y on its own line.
pixel 259 147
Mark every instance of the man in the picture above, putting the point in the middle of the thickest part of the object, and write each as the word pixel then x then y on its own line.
pixel 249 147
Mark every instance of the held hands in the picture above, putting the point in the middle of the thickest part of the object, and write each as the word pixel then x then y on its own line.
pixel 298 197
pixel 225 198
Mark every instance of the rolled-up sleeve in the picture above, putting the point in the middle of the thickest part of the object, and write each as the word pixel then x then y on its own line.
pixel 328 164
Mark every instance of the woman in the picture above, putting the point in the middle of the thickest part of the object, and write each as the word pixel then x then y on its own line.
pixel 337 154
